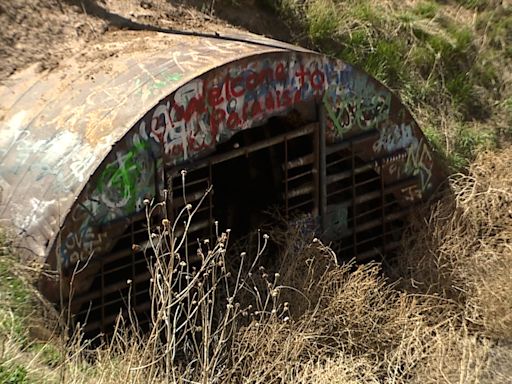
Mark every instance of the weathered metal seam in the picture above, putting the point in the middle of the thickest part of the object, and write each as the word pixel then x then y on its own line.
pixel 133 122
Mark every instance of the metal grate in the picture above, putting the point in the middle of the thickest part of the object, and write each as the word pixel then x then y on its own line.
pixel 301 174
pixel 121 281
pixel 365 217
pixel 290 167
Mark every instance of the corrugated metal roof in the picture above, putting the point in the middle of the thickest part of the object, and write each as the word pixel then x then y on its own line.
pixel 82 145
pixel 58 126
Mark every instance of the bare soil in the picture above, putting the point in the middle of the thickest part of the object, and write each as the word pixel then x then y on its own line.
pixel 44 32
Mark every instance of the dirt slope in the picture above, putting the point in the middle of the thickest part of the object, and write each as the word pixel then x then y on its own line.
pixel 45 31
pixel 42 31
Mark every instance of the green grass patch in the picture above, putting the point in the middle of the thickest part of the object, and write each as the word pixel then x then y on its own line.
pixel 427 9
pixel 364 12
pixel 496 25
pixel 21 312
pixel 15 374
pixel 48 354
pixel 15 297
pixel 460 88
pixel 468 142
pixel 385 62
pixel 321 20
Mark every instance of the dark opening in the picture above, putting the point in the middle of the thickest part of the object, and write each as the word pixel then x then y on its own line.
pixel 275 165
pixel 247 188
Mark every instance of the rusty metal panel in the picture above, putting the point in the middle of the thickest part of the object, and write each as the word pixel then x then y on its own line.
pixel 57 127
pixel 83 145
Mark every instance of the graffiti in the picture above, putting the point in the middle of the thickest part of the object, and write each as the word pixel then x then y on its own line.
pixel 83 242
pixel 419 162
pixel 80 168
pixel 55 154
pixel 395 137
pixel 415 160
pixel 393 162
pixel 210 109
pixel 396 163
pixel 204 111
pixel 12 131
pixel 125 181
pixel 337 217
pixel 359 106
pixel 191 59
pixel 158 84
pixel 117 184
pixel 39 209
pixel 119 191
pixel 412 193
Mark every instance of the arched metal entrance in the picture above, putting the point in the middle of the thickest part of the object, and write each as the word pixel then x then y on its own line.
pixel 85 144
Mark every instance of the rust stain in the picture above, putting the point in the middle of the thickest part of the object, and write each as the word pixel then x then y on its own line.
pixel 84 143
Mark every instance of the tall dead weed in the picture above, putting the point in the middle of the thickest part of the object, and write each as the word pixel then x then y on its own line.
pixel 463 249
pixel 447 320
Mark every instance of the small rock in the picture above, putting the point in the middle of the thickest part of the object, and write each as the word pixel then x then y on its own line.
pixel 145 4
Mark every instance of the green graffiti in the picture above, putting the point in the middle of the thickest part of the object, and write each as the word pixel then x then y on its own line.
pixel 157 84
pixel 123 181
pixel 360 107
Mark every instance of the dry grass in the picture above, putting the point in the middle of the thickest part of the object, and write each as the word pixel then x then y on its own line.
pixel 305 319
pixel 309 320
pixel 463 249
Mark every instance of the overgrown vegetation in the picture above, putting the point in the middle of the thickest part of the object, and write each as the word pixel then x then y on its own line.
pixel 449 61
pixel 445 315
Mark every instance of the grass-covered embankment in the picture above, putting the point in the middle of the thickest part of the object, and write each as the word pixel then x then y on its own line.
pixel 446 318
pixel 450 62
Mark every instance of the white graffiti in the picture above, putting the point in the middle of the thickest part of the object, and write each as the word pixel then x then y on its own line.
pixel 80 168
pixel 412 193
pixel 81 244
pixel 419 163
pixel 395 137
pixel 12 130
pixel 37 212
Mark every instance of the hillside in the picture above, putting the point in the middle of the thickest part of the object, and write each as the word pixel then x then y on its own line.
pixel 443 313
pixel 449 61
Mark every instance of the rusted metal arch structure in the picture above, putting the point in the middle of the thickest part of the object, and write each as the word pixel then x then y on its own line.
pixel 83 145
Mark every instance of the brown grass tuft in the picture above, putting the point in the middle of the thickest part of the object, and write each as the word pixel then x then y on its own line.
pixel 306 319
pixel 463 249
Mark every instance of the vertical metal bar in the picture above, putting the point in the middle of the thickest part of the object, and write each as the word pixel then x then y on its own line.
pixel 286 176
pixel 102 296
pixel 316 172
pixel 323 168
pixel 354 211
pixel 161 184
pixel 383 209
pixel 210 198
pixel 133 289
pixel 170 188
pixel 58 257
